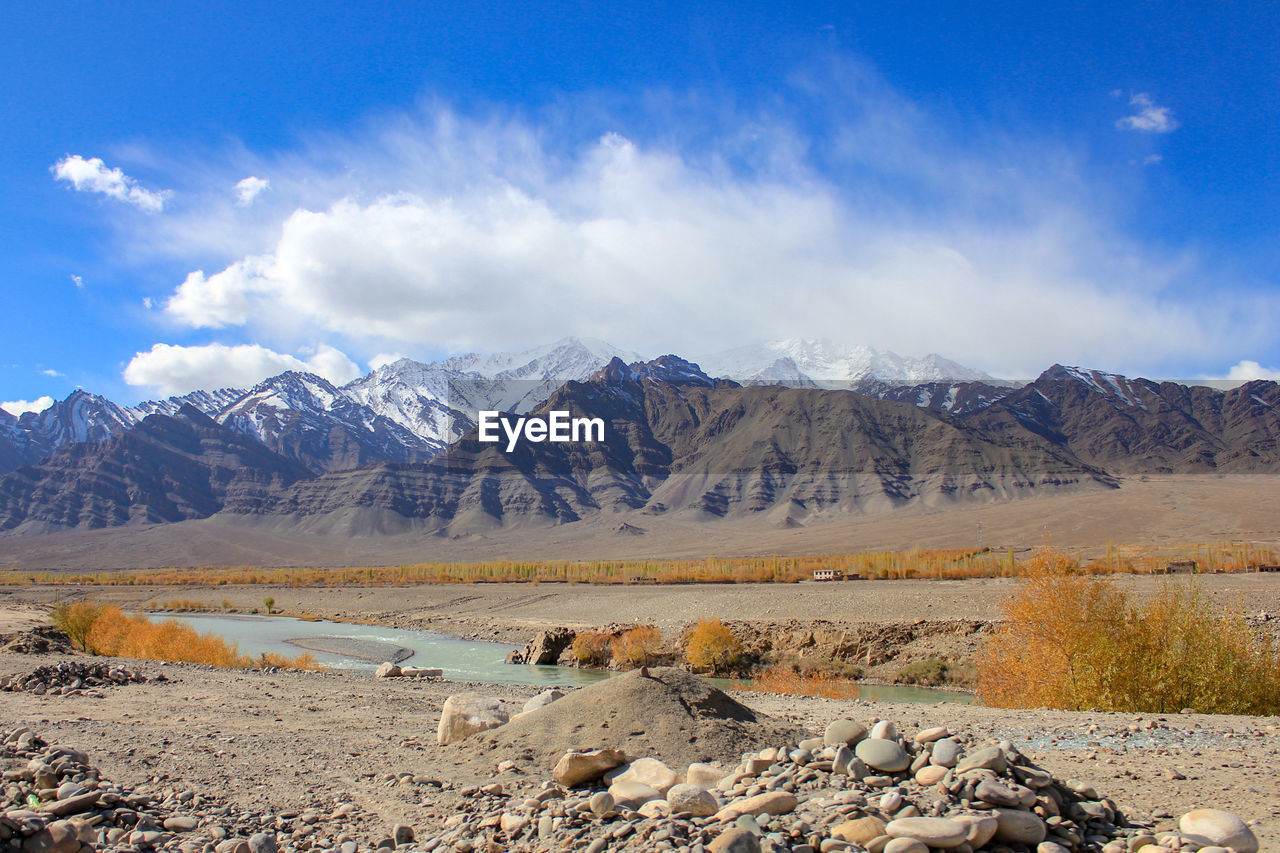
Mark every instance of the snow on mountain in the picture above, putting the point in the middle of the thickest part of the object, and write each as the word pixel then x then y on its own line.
pixel 407 409
pixel 567 358
pixel 308 419
pixel 439 400
pixel 799 360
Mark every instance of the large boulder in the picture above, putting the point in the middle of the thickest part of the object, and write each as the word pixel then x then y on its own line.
pixel 545 648
pixel 577 768
pixel 1214 826
pixel 465 714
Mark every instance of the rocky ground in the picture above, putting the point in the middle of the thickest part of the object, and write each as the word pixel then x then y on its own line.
pixel 316 761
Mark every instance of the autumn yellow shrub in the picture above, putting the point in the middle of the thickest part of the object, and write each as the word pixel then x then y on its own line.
pixel 592 648
pixel 711 647
pixel 75 620
pixel 1078 641
pixel 639 646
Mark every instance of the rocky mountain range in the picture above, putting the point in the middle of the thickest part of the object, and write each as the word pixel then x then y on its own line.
pixel 299 453
pixel 406 410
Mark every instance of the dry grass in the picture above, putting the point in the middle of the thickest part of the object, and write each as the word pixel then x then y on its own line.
pixel 785 679
pixel 914 563
pixel 106 630
pixel 1074 640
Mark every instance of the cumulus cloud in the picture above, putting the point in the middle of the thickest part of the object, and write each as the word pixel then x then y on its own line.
pixel 77 281
pixel 841 209
pixel 173 369
pixel 51 373
pixel 92 175
pixel 1148 116
pixel 18 407
pixel 658 249
pixel 1247 370
pixel 247 189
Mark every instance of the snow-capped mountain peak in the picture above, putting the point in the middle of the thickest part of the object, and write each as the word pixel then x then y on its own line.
pixel 800 360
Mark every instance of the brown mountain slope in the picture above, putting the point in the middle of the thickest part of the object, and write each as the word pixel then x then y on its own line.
pixel 166 469
pixel 677 442
pixel 1128 426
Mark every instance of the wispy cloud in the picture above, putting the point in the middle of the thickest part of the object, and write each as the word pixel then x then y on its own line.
pixel 1148 116
pixel 247 189
pixel 92 175
pixel 77 281
pixel 51 373
pixel 18 407
pixel 172 369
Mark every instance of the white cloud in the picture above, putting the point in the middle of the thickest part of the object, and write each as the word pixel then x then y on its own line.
pixel 1148 116
pixel 838 210
pixel 657 250
pixel 92 175
pixel 173 369
pixel 382 359
pixel 77 281
pixel 51 373
pixel 18 407
pixel 247 189
pixel 148 303
pixel 1247 370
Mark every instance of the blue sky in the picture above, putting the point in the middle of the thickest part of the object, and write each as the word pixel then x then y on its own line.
pixel 208 194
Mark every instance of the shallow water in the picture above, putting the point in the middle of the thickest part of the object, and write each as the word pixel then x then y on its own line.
pixel 365 646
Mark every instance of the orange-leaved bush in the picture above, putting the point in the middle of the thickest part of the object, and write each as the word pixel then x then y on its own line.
pixel 1078 641
pixel 711 647
pixel 114 633
pixel 639 646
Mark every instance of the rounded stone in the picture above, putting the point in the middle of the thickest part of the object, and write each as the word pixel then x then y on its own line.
pixel 847 732
pixel 646 771
pixel 859 831
pixel 1019 827
pixel 931 774
pixel 933 831
pixel 885 755
pixel 693 799
pixel 1218 827
pixel 934 734
pixel 991 758
pixel 906 845
pixel 981 828
pixel 946 752
pixel 633 795
pixel 885 729
pixel 1051 847
pixel 601 803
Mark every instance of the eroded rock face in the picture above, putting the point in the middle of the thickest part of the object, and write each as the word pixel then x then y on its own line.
pixel 465 714
pixel 545 648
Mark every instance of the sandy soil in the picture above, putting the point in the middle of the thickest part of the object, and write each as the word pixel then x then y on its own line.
pixel 294 741
pixel 1156 510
